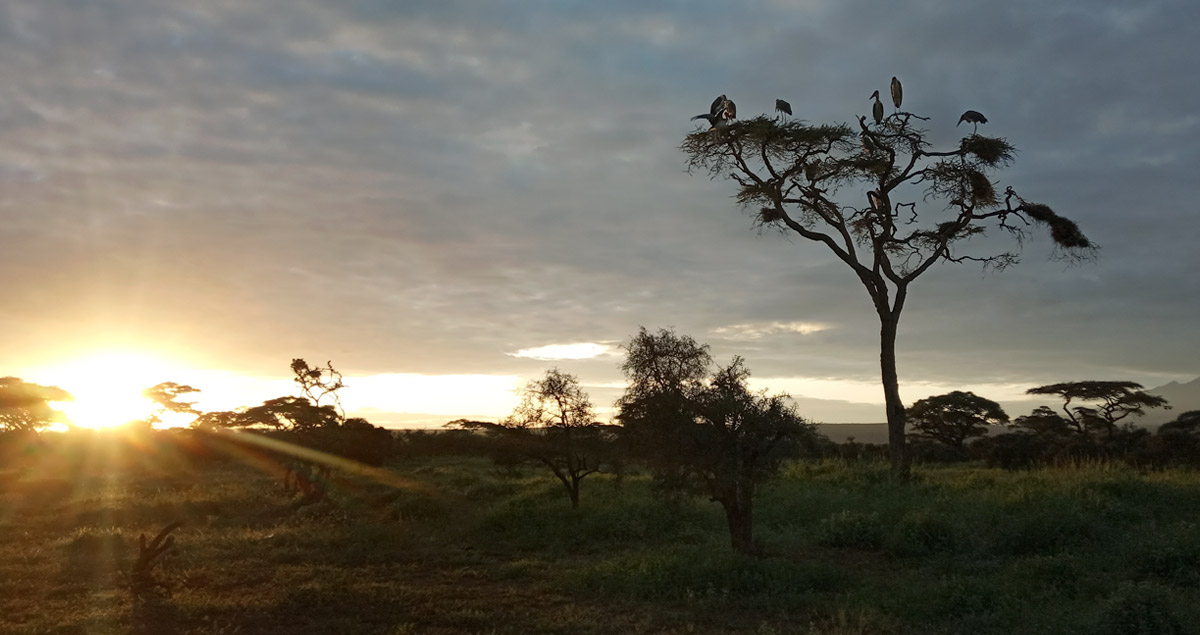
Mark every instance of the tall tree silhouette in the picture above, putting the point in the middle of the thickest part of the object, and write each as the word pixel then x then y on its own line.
pixel 883 202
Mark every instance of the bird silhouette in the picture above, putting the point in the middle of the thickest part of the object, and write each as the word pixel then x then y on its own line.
pixel 783 106
pixel 719 113
pixel 897 92
pixel 972 117
pixel 877 109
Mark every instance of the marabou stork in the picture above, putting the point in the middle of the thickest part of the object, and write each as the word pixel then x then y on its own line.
pixel 719 113
pixel 716 112
pixel 877 109
pixel 897 92
pixel 972 117
pixel 783 106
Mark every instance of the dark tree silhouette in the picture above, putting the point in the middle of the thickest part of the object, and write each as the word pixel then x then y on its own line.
pixel 220 420
pixel 1111 402
pixel 883 201
pixel 954 417
pixel 166 395
pixel 25 407
pixel 1047 424
pixel 704 431
pixel 319 382
pixel 554 425
pixel 290 413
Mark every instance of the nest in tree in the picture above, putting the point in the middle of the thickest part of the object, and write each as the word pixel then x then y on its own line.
pixel 988 150
pixel 1063 231
pixel 947 230
pixel 982 192
pixel 768 215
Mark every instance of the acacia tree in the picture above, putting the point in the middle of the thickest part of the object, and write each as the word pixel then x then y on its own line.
pixel 319 382
pixel 166 396
pixel 554 425
pixel 25 407
pixel 883 201
pixel 1108 404
pixel 705 431
pixel 954 417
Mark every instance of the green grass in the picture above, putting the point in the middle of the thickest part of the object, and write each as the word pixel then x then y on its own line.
pixel 465 548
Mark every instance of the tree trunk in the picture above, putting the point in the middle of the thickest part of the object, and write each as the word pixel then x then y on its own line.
pixel 573 489
pixel 739 514
pixel 901 462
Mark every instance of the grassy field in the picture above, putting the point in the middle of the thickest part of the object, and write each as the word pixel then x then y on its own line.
pixel 458 546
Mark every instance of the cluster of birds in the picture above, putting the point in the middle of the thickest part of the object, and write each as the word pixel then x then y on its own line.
pixel 723 111
pixel 720 113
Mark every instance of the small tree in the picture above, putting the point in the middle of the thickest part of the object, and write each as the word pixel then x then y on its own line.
pixel 25 407
pixel 704 431
pixel 319 382
pixel 554 425
pixel 1108 404
pixel 910 206
pixel 954 417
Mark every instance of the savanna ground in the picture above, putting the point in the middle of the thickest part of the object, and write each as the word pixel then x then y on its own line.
pixel 458 545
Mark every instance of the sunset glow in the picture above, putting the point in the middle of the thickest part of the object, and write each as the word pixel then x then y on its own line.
pixel 108 386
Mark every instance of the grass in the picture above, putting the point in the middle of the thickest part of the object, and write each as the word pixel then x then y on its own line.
pixel 464 548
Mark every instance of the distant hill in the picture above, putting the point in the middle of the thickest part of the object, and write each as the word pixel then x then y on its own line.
pixel 1182 398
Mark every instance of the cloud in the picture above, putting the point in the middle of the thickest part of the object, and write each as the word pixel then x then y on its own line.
pixel 757 330
pixel 584 350
pixel 413 187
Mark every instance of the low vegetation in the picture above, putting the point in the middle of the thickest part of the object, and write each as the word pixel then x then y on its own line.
pixel 458 544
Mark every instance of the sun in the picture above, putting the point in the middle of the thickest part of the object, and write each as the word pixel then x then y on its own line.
pixel 107 386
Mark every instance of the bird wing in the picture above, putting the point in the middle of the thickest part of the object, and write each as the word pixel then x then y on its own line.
pixel 717 106
pixel 897 92
pixel 783 106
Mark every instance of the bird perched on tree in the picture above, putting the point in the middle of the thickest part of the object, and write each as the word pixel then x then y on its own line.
pixel 897 92
pixel 972 117
pixel 783 106
pixel 868 144
pixel 875 200
pixel 719 113
pixel 877 109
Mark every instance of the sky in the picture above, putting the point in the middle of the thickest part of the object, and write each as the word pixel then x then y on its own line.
pixel 447 198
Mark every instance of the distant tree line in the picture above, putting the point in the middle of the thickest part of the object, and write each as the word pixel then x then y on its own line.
pixel 694 426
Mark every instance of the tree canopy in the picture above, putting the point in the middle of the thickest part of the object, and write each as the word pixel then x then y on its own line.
pixel 703 430
pixel 885 202
pixel 25 406
pixel 955 417
pixel 1105 404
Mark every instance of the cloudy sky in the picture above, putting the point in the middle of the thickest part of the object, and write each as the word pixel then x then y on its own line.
pixel 442 196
